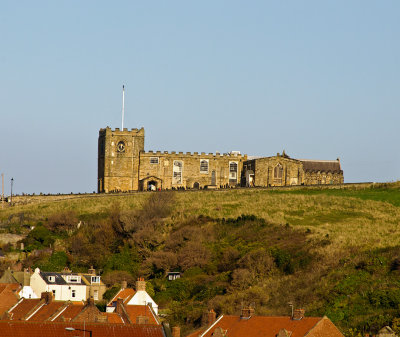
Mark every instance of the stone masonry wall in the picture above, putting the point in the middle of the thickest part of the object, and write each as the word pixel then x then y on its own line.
pixel 158 166
pixel 119 159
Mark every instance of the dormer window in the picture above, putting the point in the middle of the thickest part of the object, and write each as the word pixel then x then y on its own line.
pixel 95 279
pixel 52 279
pixel 73 279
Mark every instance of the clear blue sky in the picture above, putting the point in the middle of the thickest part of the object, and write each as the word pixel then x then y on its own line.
pixel 320 79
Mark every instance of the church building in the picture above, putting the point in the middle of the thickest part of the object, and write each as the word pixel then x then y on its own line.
pixel 124 165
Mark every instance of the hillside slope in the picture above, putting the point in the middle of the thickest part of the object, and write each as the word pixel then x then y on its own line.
pixel 333 252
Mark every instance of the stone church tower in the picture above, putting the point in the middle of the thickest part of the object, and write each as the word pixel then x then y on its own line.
pixel 118 159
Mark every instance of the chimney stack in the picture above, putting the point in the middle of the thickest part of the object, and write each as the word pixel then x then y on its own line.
pixel 298 314
pixel 211 317
pixel 47 297
pixel 124 284
pixel 92 271
pixel 247 313
pixel 140 284
pixel 176 331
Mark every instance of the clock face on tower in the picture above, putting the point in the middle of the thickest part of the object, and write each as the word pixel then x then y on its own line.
pixel 121 147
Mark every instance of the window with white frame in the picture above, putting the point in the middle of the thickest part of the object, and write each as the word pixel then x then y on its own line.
pixel 95 295
pixel 52 279
pixel 73 279
pixel 204 166
pixel 95 279
pixel 154 160
pixel 177 172
pixel 54 293
pixel 233 168
pixel 73 293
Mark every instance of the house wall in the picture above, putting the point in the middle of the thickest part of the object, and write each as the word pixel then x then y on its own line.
pixel 143 298
pixel 101 288
pixel 38 285
pixel 64 292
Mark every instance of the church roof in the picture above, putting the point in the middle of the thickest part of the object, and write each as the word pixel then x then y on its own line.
pixel 321 165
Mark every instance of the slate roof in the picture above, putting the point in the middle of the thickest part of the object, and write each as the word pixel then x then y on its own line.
pixel 265 326
pixel 87 278
pixel 52 329
pixel 59 280
pixel 321 165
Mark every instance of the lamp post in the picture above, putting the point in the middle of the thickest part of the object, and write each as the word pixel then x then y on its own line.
pixel 12 182
pixel 75 329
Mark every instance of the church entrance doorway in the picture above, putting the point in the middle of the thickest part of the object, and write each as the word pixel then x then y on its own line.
pixel 152 185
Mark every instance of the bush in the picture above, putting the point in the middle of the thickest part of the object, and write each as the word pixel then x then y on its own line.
pixel 57 262
pixel 38 238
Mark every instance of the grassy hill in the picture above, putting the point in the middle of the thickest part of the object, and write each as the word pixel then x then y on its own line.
pixel 331 251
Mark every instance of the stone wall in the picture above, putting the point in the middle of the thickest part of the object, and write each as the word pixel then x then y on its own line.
pixel 123 165
pixel 187 170
pixel 282 170
pixel 118 159
pixel 266 171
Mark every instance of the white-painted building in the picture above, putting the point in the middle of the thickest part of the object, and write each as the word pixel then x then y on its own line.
pixel 141 296
pixel 63 286
pixel 130 297
pixel 27 292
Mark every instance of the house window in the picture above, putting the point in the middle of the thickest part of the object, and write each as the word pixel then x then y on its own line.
pixel 177 172
pixel 95 295
pixel 204 166
pixel 73 293
pixel 233 167
pixel 74 279
pixel 54 293
pixel 95 279
pixel 52 279
pixel 154 160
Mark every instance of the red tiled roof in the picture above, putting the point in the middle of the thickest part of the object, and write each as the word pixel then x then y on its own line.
pixel 113 317
pixel 46 311
pixel 270 326
pixel 47 329
pixel 23 308
pixel 126 294
pixel 134 311
pixel 8 296
pixel 70 312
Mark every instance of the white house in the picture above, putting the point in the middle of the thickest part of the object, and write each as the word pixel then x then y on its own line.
pixel 64 286
pixel 141 296
pixel 130 297
pixel 27 292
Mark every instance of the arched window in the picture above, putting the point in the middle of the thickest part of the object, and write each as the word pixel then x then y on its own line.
pixel 278 170
pixel 203 165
